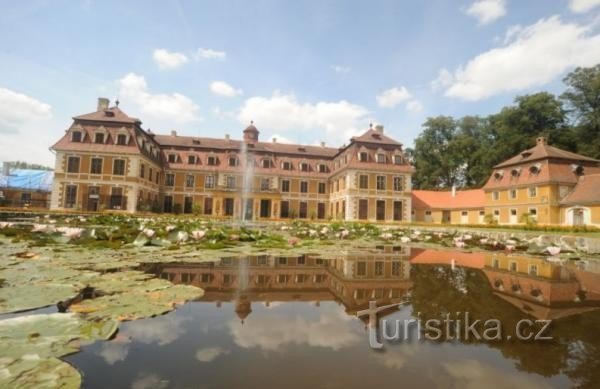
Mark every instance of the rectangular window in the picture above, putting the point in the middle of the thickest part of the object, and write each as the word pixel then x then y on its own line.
pixel 265 184
pixel 266 163
pixel 73 165
pixel 304 167
pixel 189 181
pixel 25 198
pixel 228 207
pixel 301 260
pixel 380 182
pixel 321 211
pixel 157 177
pixel 208 205
pixel 322 168
pixel 76 136
pixel 322 188
pixel 119 167
pixel 170 179
pixel 99 137
pixel 303 212
pixel 282 261
pixel 381 158
pixel 533 270
pixel 209 182
pixel 142 170
pixel 172 158
pixel 96 166
pixel 232 161
pixel 363 181
pixel 378 268
pixel 116 198
pixel 398 159
pixel 512 194
pixel 285 209
pixel 514 266
pixel 363 157
pixel 122 139
pixel 212 161
pixel 150 175
pixel 363 209
pixel 397 210
pixel 532 191
pixel 285 186
pixel 304 187
pixel 495 195
pixel 396 268
pixel 287 166
pixel 231 182
pixel 464 213
pixel 70 196
pixel 398 184
pixel 191 159
pixel 361 269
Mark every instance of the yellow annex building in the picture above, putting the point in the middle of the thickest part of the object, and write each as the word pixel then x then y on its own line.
pixel 106 161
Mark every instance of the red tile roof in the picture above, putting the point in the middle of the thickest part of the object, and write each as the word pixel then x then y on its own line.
pixel 543 151
pixel 587 191
pixel 374 136
pixel 113 114
pixel 464 199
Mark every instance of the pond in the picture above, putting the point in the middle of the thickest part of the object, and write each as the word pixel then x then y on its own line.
pixel 277 321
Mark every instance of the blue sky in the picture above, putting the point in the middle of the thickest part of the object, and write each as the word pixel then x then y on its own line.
pixel 305 71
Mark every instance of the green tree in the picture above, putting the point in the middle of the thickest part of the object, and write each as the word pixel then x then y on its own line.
pixel 582 99
pixel 434 155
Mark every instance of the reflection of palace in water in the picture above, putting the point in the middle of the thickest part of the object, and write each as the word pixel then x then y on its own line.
pixel 534 285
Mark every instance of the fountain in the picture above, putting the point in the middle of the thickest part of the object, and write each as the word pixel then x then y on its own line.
pixel 246 157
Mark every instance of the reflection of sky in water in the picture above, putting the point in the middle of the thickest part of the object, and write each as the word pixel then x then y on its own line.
pixel 284 345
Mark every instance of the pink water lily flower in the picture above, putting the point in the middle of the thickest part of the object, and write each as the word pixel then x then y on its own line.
pixel 198 234
pixel 553 250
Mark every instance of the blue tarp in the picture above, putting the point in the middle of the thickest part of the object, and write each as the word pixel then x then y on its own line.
pixel 28 179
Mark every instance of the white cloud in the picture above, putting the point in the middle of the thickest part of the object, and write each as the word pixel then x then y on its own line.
pixel 340 69
pixel 390 98
pixel 210 54
pixel 283 112
pixel 149 381
pixel 280 139
pixel 160 332
pixel 174 107
pixel 444 79
pixel 473 374
pixel 271 331
pixel 113 352
pixel 581 6
pixel 209 354
pixel 169 60
pixel 222 88
pixel 533 56
pixel 17 109
pixel 486 11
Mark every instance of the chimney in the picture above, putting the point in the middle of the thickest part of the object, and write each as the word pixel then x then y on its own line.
pixel 102 103
pixel 453 190
pixel 379 128
pixel 227 136
pixel 274 139
pixel 542 140
pixel 173 132
pixel 322 144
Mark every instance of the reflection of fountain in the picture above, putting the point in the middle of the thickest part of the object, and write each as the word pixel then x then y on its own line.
pixel 242 304
pixel 247 159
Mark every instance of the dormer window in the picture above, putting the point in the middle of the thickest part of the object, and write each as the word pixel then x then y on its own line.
pixel 212 161
pixel 267 163
pixel 191 159
pixel 526 154
pixel 172 158
pixel 535 169
pixel 122 139
pixel 577 169
pixel 398 160
pixel 363 157
pixel 381 158
pixel 515 172
pixel 233 161
pixel 286 165
pixel 76 136
pixel 99 137
pixel 498 174
pixel 304 166
pixel 322 168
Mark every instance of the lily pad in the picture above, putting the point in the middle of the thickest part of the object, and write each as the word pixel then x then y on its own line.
pixel 25 297
pixel 38 373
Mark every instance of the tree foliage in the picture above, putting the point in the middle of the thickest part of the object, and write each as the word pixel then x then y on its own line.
pixel 462 152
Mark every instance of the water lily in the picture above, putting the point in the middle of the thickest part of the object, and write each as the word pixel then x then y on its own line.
pixel 510 247
pixel 148 232
pixel 405 239
pixel 313 233
pixel 483 240
pixel 553 250
pixel 170 228
pixel 181 237
pixel 460 244
pixel 293 241
pixel 386 236
pixel 344 234
pixel 234 237
pixel 324 230
pixel 5 225
pixel 458 239
pixel 198 234
pixel 71 232
pixel 467 237
pixel 511 242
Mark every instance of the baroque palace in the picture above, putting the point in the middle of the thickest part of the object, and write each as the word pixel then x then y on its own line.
pixel 106 161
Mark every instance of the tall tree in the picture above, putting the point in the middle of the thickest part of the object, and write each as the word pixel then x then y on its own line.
pixel 582 99
pixel 435 158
